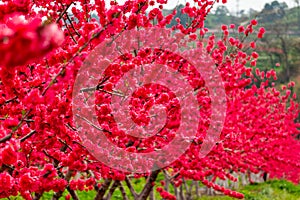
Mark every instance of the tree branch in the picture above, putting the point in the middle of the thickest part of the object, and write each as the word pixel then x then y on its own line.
pixel 123 192
pixel 71 35
pixel 129 185
pixel 78 34
pixel 64 12
pixel 149 185
pixel 102 190
pixel 112 190
pixel 28 135
pixel 8 137
pixel 72 193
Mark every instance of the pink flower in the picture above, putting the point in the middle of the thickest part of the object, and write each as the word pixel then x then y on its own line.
pixel 232 26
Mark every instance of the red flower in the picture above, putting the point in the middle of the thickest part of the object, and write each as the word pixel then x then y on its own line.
pixel 241 29
pixel 253 45
pixel 6 182
pixel 26 182
pixel 224 27
pixel 19 35
pixel 9 156
pixel 254 22
pixel 255 55
pixel 253 63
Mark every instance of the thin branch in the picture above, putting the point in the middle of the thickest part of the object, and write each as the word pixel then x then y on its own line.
pixel 70 127
pixel 181 196
pixel 63 142
pixel 112 190
pixel 64 12
pixel 78 34
pixel 123 192
pixel 71 35
pixel 91 89
pixel 28 135
pixel 28 120
pixel 171 177
pixel 48 155
pixel 86 11
pixel 129 185
pixel 76 142
pixel 93 125
pixel 10 100
pixel 175 190
pixel 72 193
pixel 151 195
pixel 8 137
pixel 102 190
pixel 37 196
pixel 149 185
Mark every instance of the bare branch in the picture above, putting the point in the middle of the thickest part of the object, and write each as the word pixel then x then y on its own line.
pixel 72 193
pixel 8 137
pixel 93 125
pixel 112 190
pixel 28 135
pixel 64 12
pixel 129 185
pixel 102 190
pixel 149 185
pixel 71 35
pixel 123 192
pixel 70 127
pixel 78 34
pixel 63 142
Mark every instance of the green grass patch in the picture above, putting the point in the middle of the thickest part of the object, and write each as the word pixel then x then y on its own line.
pixel 270 190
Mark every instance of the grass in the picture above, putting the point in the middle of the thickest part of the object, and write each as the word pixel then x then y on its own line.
pixel 275 190
pixel 270 190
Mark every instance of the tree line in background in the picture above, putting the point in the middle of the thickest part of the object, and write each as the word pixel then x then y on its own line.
pixel 281 43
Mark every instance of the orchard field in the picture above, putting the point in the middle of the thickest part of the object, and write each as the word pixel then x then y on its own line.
pixel 129 100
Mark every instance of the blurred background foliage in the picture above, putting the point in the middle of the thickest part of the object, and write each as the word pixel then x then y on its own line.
pixel 281 43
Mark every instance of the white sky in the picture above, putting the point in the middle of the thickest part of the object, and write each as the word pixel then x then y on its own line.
pixel 255 4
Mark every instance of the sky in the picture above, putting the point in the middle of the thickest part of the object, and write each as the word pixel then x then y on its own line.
pixel 255 4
